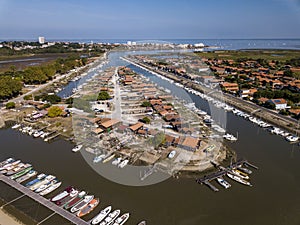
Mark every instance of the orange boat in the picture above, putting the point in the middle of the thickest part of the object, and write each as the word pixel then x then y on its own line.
pixel 88 208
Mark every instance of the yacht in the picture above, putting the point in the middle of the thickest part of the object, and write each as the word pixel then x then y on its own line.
pixel 240 174
pixel 41 182
pixel 122 219
pixel 50 189
pixel 86 200
pixel 292 138
pixel 30 174
pixel 223 182
pixel 116 161
pixel 88 208
pixel 123 163
pixel 39 178
pixel 245 170
pixel 98 158
pixel 229 137
pixel 16 126
pixel 21 173
pixel 45 186
pixel 77 148
pixel 97 219
pixel 62 194
pixel 111 217
pixel 238 179
pixel 69 198
pixel 75 200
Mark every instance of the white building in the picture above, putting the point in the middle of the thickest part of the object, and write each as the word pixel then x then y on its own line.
pixel 279 103
pixel 41 40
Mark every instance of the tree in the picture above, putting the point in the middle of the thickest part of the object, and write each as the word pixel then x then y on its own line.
pixel 146 104
pixel 9 87
pixel 54 111
pixel 10 105
pixel 103 95
pixel 51 98
pixel 146 120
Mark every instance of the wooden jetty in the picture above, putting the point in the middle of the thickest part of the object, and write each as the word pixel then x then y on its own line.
pixel 45 202
pixel 222 171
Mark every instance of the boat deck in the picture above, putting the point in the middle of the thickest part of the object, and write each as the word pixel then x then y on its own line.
pixel 45 202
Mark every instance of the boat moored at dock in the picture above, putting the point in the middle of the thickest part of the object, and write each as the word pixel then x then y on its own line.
pixel 39 178
pixel 223 182
pixel 111 217
pixel 86 200
pixel 50 189
pixel 74 201
pixel 97 219
pixel 62 194
pixel 88 208
pixel 25 177
pixel 122 219
pixel 239 179
pixel 21 173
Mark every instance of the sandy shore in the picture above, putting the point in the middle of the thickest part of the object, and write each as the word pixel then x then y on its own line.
pixel 6 219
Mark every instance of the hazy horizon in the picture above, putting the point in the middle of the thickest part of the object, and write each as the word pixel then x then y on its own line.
pixel 157 20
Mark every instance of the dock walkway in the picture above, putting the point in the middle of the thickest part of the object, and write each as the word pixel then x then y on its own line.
pixel 45 202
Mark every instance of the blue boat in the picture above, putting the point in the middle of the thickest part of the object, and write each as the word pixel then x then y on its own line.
pixel 39 177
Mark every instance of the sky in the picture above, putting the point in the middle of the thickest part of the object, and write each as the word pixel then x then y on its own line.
pixel 149 19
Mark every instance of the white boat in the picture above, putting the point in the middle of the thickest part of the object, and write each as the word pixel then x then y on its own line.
pixel 111 217
pixel 172 154
pixel 238 179
pixel 108 158
pixel 240 174
pixel 223 182
pixel 86 200
pixel 25 177
pixel 142 223
pixel 62 194
pixel 16 126
pixel 98 158
pixel 122 219
pixel 40 183
pixel 123 163
pixel 292 138
pixel 44 186
pixel 116 161
pixel 50 189
pixel 77 148
pixel 97 219
pixel 229 137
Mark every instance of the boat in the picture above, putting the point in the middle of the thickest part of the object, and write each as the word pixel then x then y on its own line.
pixel 18 169
pixel 62 194
pixel 50 189
pixel 77 148
pixel 240 174
pixel 223 182
pixel 229 137
pixel 142 223
pixel 108 158
pixel 30 174
pixel 41 182
pixel 44 186
pixel 123 163
pixel 86 200
pixel 111 217
pixel 21 173
pixel 292 138
pixel 88 208
pixel 9 160
pixel 98 158
pixel 16 126
pixel 97 219
pixel 238 179
pixel 75 200
pixel 243 169
pixel 14 169
pixel 39 178
pixel 9 166
pixel 122 219
pixel 172 154
pixel 116 161
pixel 65 200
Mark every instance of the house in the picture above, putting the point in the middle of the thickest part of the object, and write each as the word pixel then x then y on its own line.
pixel 279 103
pixel 188 143
pixel 230 87
pixel 134 128
pixel 108 124
pixel 295 112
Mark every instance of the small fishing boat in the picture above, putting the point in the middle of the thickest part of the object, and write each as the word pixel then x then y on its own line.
pixel 74 201
pixel 122 219
pixel 97 219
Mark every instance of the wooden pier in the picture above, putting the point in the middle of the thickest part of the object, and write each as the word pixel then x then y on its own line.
pixel 45 202
pixel 222 172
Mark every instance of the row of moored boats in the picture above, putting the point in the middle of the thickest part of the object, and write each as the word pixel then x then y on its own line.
pixel 78 202
pixel 32 131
